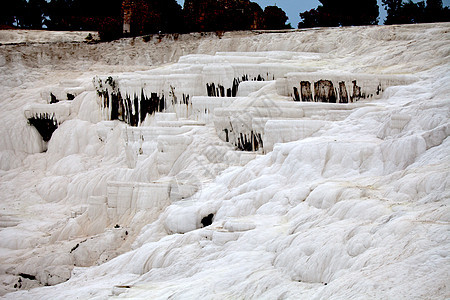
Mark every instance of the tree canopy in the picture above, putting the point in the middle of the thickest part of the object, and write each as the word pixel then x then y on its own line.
pixel 408 12
pixel 365 12
pixel 12 12
pixel 341 13
pixel 145 16
pixel 275 18
pixel 152 16
pixel 213 15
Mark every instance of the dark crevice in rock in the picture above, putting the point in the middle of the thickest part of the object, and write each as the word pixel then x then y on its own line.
pixel 379 89
pixel 296 95
pixel 186 99
pixel 27 276
pixel 77 245
pixel 227 138
pixel 53 99
pixel 45 125
pixel 134 110
pixel 249 142
pixel 356 92
pixel 235 87
pixel 217 90
pixel 75 248
pixel 343 96
pixel 206 221
pixel 305 87
pixel 324 91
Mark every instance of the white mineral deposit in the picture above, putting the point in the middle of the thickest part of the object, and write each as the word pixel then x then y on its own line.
pixel 306 164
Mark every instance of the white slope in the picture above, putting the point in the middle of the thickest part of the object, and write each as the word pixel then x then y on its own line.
pixel 13 36
pixel 343 201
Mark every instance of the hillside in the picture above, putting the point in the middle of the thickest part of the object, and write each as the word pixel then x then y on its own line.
pixel 306 164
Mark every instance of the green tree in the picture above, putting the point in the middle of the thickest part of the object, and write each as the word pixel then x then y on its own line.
pixel 59 13
pixel 275 18
pixel 413 12
pixel 165 16
pixel 12 12
pixel 150 16
pixel 213 15
pixel 317 17
pixel 81 14
pixel 435 12
pixel 341 13
pixel 394 11
pixel 33 16
pixel 408 12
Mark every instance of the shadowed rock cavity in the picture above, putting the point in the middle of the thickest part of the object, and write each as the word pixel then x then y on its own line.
pixel 218 90
pixel 53 99
pixel 356 92
pixel 325 91
pixel 343 96
pixel 296 95
pixel 122 108
pixel 249 142
pixel 45 125
pixel 27 276
pixel 133 109
pixel 305 87
pixel 206 221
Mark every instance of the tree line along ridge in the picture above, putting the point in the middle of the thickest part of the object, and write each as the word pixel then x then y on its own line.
pixel 117 18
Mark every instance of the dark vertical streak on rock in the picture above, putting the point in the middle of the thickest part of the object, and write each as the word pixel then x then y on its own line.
pixel 356 92
pixel 213 90
pixel 134 117
pixel 53 99
pixel 306 93
pixel 45 125
pixel 122 109
pixel 127 110
pixel 296 95
pixel 235 87
pixel 186 99
pixel 379 89
pixel 324 91
pixel 116 100
pixel 144 106
pixel 250 142
pixel 343 96
pixel 227 138
pixel 258 141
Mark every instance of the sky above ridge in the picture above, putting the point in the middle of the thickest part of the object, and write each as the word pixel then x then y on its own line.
pixel 294 7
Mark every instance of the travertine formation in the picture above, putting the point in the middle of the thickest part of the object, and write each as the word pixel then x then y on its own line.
pixel 278 165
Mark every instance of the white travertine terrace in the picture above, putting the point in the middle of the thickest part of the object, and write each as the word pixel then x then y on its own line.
pixel 309 164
